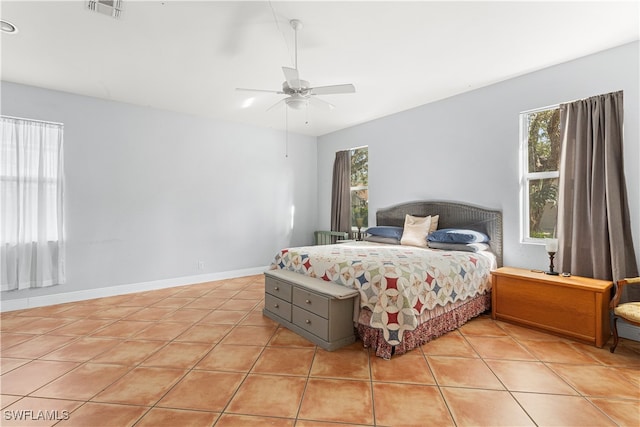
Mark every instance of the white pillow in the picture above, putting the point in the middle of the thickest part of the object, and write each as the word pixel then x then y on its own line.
pixel 415 231
pixel 434 223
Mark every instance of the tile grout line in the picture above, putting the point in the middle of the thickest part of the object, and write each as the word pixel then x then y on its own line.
pixel 371 385
pixel 132 367
pixel 444 400
pixel 306 383
pixel 193 367
pixel 246 375
pixel 247 312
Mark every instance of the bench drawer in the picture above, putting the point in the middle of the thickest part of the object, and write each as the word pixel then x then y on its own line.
pixel 278 307
pixel 318 326
pixel 312 302
pixel 278 288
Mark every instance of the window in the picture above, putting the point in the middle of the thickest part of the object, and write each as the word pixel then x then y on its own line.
pixel 540 136
pixel 31 206
pixel 360 187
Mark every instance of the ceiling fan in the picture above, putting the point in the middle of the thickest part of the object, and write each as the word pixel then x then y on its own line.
pixel 299 92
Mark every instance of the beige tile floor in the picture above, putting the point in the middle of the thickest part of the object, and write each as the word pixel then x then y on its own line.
pixel 204 355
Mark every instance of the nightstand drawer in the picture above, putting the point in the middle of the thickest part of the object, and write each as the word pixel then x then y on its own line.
pixel 314 303
pixel 277 288
pixel 278 307
pixel 310 322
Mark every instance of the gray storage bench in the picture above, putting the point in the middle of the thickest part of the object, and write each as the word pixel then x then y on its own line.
pixel 318 310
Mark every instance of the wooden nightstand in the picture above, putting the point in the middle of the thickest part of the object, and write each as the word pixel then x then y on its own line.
pixel 574 307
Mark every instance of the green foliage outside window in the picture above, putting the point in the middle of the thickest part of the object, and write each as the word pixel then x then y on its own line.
pixel 544 141
pixel 543 147
pixel 360 187
pixel 543 196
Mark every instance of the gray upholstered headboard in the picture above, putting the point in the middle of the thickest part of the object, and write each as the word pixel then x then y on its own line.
pixel 452 215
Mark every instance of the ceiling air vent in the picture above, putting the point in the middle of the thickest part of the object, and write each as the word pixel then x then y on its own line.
pixel 111 8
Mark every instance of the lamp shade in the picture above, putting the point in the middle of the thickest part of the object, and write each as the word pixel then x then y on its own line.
pixel 551 245
pixel 296 103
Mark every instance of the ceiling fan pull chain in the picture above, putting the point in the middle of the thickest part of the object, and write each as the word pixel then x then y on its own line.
pixel 286 133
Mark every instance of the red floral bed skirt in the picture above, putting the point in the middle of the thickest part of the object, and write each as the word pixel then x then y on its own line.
pixel 430 329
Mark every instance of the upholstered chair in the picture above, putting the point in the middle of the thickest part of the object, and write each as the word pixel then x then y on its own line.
pixel 628 311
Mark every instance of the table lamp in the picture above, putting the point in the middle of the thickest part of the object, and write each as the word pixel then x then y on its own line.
pixel 551 246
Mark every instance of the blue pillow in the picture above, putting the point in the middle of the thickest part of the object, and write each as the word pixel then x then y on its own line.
pixel 457 235
pixel 386 231
pixel 465 247
pixel 380 239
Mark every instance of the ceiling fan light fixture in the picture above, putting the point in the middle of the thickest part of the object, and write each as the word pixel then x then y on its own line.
pixel 296 103
pixel 300 94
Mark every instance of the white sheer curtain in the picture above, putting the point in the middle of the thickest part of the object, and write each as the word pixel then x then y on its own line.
pixel 31 205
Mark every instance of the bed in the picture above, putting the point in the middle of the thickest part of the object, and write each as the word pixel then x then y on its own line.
pixel 408 295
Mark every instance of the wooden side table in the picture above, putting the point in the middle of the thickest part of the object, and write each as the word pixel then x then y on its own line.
pixel 574 307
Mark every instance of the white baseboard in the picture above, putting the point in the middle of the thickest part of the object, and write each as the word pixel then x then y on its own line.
pixel 44 300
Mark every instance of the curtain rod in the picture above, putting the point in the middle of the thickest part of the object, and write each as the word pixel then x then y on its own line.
pixel 31 120
pixel 535 110
pixel 549 107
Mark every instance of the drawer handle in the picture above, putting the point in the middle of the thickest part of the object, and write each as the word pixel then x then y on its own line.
pixel 276 288
pixel 276 306
pixel 308 322
pixel 307 301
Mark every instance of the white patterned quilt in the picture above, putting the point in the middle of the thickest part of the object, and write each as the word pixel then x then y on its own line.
pixel 397 283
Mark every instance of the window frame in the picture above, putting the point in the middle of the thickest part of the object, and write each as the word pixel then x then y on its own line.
pixel 526 177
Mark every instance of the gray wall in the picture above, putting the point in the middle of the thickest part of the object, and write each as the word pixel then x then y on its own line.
pixel 151 193
pixel 466 147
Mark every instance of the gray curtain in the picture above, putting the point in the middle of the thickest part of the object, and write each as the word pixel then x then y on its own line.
pixel 594 230
pixel 341 193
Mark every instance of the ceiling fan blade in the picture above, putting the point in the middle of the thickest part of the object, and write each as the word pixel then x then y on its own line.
pixel 292 77
pixel 258 90
pixel 334 89
pixel 282 101
pixel 321 103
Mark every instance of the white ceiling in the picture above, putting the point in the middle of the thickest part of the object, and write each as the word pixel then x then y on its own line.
pixel 190 56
